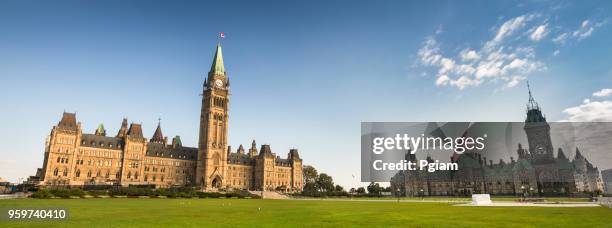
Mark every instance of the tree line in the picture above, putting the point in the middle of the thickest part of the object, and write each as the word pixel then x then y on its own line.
pixel 322 185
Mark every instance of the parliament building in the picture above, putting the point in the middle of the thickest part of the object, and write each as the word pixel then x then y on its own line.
pixel 536 171
pixel 75 158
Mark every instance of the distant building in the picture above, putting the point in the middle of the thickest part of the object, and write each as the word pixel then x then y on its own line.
pixel 75 158
pixel 536 171
pixel 606 177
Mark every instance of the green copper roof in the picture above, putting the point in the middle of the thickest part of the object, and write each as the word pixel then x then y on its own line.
pixel 217 64
pixel 101 128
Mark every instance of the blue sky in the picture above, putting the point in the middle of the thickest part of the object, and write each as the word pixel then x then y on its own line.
pixel 303 74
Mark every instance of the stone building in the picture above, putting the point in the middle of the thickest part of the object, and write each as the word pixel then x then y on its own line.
pixel 75 158
pixel 606 176
pixel 536 171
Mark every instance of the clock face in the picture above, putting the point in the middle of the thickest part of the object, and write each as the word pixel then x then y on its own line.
pixel 540 149
pixel 218 83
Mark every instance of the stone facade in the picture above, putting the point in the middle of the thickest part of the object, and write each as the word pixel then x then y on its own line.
pixel 74 158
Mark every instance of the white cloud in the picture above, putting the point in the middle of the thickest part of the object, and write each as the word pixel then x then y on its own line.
pixel 539 33
pixel 561 38
pixel 493 62
pixel 464 82
pixel 556 52
pixel 603 93
pixel 586 29
pixel 442 80
pixel 515 80
pixel 469 55
pixel 590 111
pixel 510 26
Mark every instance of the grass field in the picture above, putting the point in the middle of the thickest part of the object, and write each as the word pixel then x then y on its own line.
pixel 283 213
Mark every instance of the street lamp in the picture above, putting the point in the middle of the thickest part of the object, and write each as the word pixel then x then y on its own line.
pixel 422 195
pixel 398 194
pixel 523 192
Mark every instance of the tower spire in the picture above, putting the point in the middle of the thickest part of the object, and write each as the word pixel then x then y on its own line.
pixel 534 113
pixel 158 137
pixel 217 67
pixel 532 104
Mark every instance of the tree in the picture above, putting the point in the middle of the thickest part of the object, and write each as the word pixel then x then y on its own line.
pixel 310 174
pixel 310 189
pixel 339 188
pixel 325 183
pixel 374 189
pixel 361 190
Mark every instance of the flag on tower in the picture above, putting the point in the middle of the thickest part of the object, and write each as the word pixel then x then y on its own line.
pixel 221 35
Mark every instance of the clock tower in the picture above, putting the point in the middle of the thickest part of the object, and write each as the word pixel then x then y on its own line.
pixel 212 145
pixel 538 133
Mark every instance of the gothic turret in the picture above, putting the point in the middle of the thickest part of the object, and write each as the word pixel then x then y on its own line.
pixel 265 151
pixel 253 150
pixel 158 137
pixel 135 131
pixel 100 130
pixel 578 154
pixel 240 149
pixel 68 122
pixel 561 155
pixel 293 154
pixel 124 127
pixel 176 142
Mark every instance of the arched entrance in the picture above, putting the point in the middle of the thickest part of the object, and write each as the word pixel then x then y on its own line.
pixel 216 183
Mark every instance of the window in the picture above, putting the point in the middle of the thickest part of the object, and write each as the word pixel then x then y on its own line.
pixel 129 175
pixel 89 173
pixel 78 173
pixel 55 172
pixel 65 172
pixel 58 159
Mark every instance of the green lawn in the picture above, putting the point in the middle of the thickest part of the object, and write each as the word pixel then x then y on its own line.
pixel 283 213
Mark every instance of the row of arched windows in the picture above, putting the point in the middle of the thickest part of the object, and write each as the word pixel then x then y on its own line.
pixel 218 117
pixel 219 102
pixel 62 160
pixel 56 172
